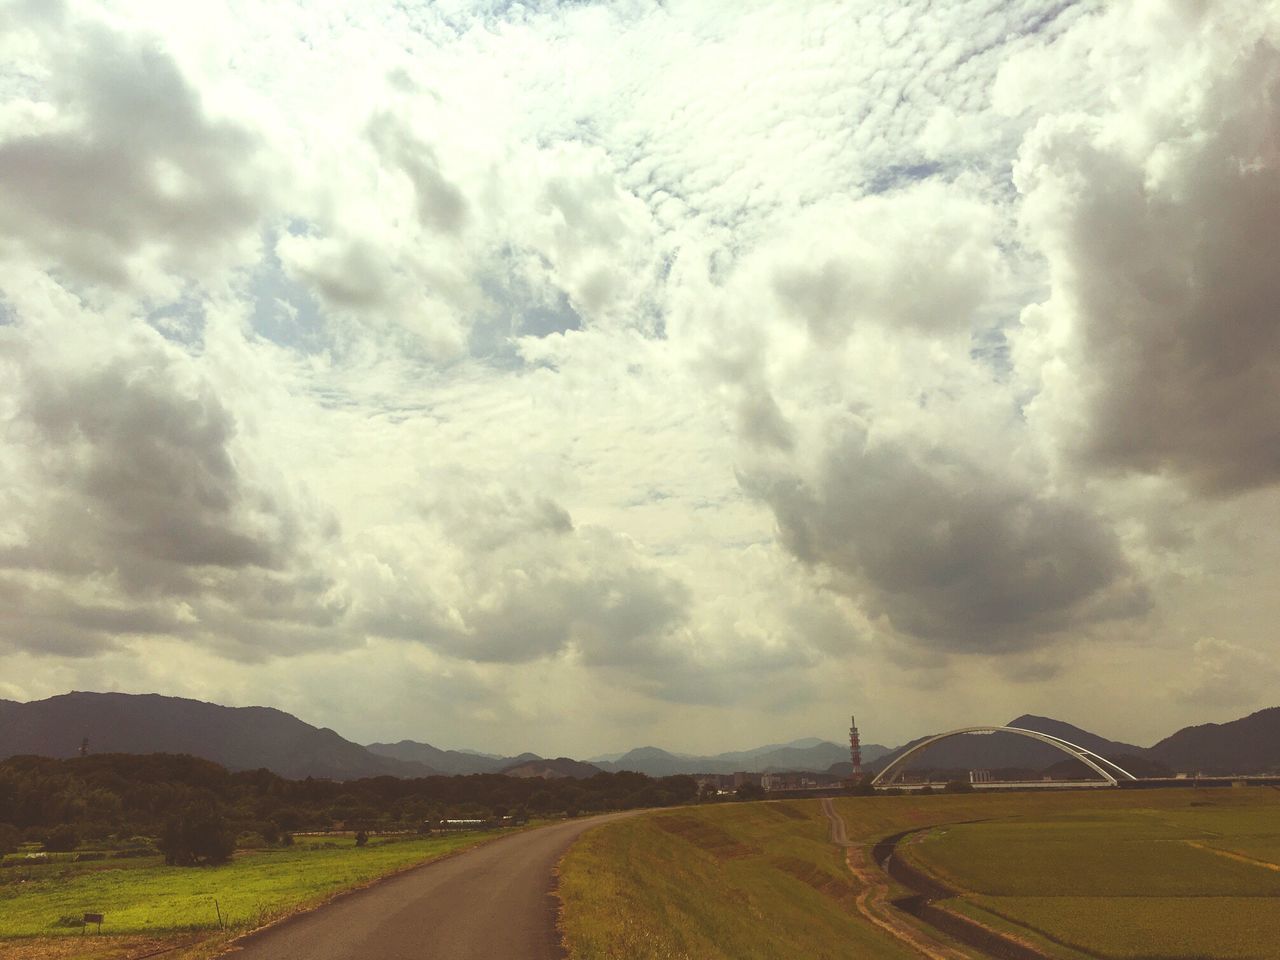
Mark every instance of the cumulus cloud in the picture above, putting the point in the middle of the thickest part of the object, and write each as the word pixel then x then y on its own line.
pixel 498 577
pixel 1159 345
pixel 113 168
pixel 686 367
pixel 130 504
pixel 922 258
pixel 950 552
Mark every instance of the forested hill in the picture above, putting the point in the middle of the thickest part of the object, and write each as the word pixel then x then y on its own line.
pixel 240 738
pixel 1248 745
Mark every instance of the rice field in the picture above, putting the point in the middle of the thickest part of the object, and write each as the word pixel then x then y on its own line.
pixel 1186 874
pixel 1176 874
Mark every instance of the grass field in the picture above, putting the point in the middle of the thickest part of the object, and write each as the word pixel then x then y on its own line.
pixel 1144 881
pixel 142 897
pixel 1123 874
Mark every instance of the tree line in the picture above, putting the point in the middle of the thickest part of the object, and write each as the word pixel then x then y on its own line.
pixel 166 797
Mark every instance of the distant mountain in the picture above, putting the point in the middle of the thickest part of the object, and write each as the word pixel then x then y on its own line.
pixel 246 738
pixel 239 738
pixel 810 755
pixel 446 761
pixel 604 758
pixel 1248 745
pixel 1008 751
pixel 552 769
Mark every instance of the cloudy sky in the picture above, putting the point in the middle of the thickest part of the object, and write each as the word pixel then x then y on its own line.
pixel 575 376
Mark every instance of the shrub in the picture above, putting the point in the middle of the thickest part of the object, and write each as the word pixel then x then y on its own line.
pixel 958 786
pixel 362 838
pixel 197 836
pixel 62 839
pixel 10 837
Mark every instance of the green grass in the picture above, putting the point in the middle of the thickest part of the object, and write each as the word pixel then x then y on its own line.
pixel 1085 860
pixel 1151 928
pixel 755 881
pixel 1131 884
pixel 146 897
pixel 1107 873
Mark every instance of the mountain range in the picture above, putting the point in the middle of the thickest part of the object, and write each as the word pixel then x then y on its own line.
pixel 246 738
pixel 239 738
pixel 1009 751
pixel 809 754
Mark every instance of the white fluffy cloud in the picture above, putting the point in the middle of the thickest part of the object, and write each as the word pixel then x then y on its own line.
pixel 637 371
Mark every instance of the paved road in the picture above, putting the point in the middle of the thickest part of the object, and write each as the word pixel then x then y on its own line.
pixel 493 902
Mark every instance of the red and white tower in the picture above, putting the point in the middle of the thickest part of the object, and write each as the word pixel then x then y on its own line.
pixel 855 748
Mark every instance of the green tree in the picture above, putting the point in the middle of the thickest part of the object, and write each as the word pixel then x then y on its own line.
pixel 62 839
pixel 198 836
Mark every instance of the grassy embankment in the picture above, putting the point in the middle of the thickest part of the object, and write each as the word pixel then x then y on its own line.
pixel 761 881
pixel 731 881
pixel 1185 874
pixel 145 901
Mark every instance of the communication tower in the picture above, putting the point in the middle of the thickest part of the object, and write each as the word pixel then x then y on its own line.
pixel 855 748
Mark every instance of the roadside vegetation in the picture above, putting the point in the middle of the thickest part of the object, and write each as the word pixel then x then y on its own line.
pixel 63 804
pixel 143 896
pixel 1110 873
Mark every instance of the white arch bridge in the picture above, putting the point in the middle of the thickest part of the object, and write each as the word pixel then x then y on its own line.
pixel 1099 764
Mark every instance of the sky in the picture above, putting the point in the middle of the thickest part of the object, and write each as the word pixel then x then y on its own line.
pixel 575 376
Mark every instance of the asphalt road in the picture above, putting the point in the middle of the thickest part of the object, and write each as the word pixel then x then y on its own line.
pixel 494 902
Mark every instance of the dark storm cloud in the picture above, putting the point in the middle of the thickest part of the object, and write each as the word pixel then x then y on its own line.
pixel 132 162
pixel 953 552
pixel 1167 269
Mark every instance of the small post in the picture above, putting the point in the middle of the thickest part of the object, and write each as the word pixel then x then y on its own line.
pixel 219 909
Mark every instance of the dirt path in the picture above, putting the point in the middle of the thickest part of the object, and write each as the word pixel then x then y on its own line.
pixel 872 899
pixel 494 902
pixel 1232 855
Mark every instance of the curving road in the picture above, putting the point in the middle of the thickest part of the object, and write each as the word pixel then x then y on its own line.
pixel 493 902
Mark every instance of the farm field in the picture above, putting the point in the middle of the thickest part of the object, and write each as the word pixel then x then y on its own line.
pixel 761 880
pixel 143 899
pixel 1179 874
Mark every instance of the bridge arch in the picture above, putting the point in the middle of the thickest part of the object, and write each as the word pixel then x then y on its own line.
pixel 1090 759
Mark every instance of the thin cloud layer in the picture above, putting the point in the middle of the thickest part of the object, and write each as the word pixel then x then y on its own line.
pixel 631 373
